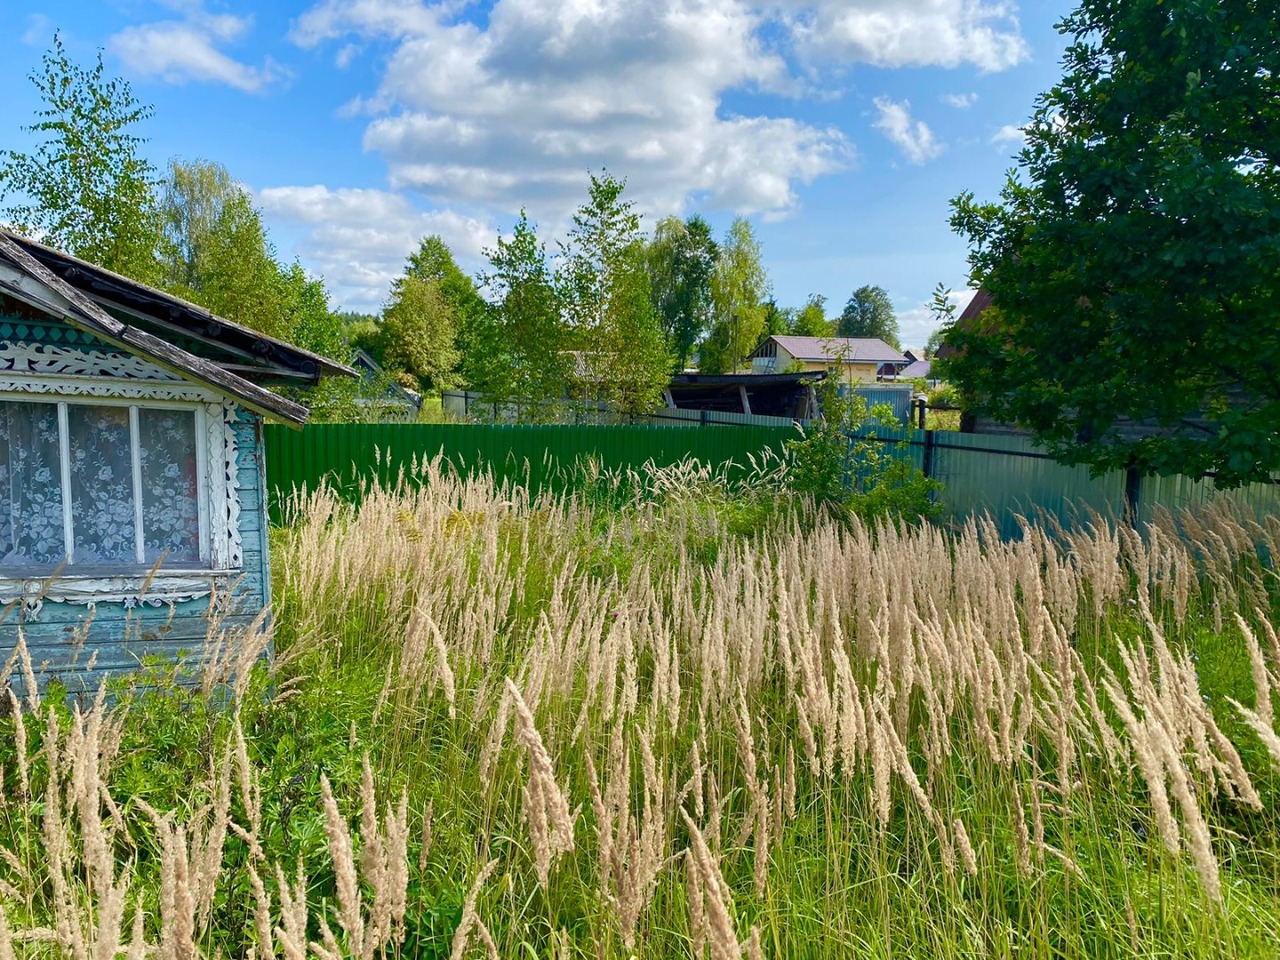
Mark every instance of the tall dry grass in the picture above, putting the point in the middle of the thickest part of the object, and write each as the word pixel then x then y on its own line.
pixel 581 728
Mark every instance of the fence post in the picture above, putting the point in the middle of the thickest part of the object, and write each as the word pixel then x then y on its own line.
pixel 1132 496
pixel 927 466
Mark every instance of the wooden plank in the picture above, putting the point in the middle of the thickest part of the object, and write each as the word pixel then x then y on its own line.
pixel 109 281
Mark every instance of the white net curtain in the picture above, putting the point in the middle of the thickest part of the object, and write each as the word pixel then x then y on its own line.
pixel 133 488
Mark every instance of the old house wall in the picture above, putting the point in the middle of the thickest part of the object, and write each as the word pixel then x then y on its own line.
pixel 117 623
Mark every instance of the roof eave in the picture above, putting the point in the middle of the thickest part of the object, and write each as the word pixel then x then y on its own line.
pixel 82 313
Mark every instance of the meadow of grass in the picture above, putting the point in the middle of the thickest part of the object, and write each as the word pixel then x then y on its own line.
pixel 697 722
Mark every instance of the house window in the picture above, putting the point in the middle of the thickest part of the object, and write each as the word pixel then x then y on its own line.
pixel 99 485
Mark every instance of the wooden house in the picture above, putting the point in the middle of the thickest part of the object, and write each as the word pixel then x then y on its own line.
pixel 132 487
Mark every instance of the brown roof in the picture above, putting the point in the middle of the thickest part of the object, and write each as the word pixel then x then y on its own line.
pixel 976 307
pixel 981 300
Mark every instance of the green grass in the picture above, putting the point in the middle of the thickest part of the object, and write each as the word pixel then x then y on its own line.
pixel 352 593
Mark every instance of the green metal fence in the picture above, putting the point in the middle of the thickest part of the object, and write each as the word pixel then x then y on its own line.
pixel 1003 476
pixel 543 457
pixel 1007 477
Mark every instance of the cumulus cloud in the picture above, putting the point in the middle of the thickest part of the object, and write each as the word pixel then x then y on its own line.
pixel 511 107
pixel 913 137
pixel 961 101
pixel 358 239
pixel 514 111
pixel 909 33
pixel 180 50
pixel 1009 135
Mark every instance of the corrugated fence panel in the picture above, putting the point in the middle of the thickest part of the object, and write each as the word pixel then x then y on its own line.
pixel 1007 477
pixel 349 455
pixel 1003 476
pixel 1177 493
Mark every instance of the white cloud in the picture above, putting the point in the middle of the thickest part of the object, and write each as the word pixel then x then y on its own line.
pixel 913 137
pixel 40 30
pixel 358 239
pixel 177 51
pixel 1009 135
pixel 918 321
pixel 511 107
pixel 514 112
pixel 902 33
pixel 961 101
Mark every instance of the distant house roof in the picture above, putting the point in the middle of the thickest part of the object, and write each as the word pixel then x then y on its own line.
pixel 177 335
pixel 918 369
pixel 980 302
pixel 844 349
pixel 393 391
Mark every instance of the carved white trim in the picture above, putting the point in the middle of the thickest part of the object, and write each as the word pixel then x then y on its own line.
pixel 165 590
pixel 46 369
pixel 223 477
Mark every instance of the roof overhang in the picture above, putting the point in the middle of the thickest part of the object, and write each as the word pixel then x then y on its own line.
pixel 24 277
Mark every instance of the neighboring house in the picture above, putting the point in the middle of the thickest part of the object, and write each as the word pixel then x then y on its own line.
pixel 132 487
pixel 383 395
pixel 916 370
pixel 851 359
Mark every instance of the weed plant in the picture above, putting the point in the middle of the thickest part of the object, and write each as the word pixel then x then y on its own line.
pixel 671 716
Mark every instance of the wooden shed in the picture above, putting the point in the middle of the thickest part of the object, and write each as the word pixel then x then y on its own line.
pixel 132 486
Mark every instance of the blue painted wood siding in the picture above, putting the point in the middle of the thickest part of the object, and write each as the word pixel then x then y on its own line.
pixel 67 636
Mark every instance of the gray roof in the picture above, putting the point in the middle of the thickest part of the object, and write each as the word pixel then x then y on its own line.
pixel 920 368
pixel 846 349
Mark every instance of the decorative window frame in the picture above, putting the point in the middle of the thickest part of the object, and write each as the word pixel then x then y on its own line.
pixel 41 368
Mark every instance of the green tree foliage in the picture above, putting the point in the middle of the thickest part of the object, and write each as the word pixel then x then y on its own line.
pixel 681 260
pixel 869 313
pixel 605 290
pixel 943 313
pixel 216 252
pixel 1133 261
pixel 419 332
pixel 739 287
pixel 433 260
pixel 86 188
pixel 519 347
pixel 811 319
pixel 839 462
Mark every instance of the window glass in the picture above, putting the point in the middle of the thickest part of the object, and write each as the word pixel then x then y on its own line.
pixel 30 486
pixel 170 510
pixel 101 484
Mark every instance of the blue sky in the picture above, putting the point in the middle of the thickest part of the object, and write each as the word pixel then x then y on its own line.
pixel 840 127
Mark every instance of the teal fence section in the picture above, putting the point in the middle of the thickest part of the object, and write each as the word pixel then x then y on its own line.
pixel 1008 478
pixel 541 456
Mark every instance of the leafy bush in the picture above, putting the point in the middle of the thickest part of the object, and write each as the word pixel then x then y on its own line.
pixel 841 464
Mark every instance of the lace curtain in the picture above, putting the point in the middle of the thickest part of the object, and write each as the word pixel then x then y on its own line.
pixel 104 480
pixel 30 486
pixel 101 484
pixel 170 509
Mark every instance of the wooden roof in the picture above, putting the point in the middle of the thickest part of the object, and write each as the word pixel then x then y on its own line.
pixel 231 359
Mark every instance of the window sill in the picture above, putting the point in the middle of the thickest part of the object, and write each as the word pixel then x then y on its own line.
pixel 127 588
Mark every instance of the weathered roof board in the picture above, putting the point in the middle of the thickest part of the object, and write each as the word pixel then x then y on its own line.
pixel 27 272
